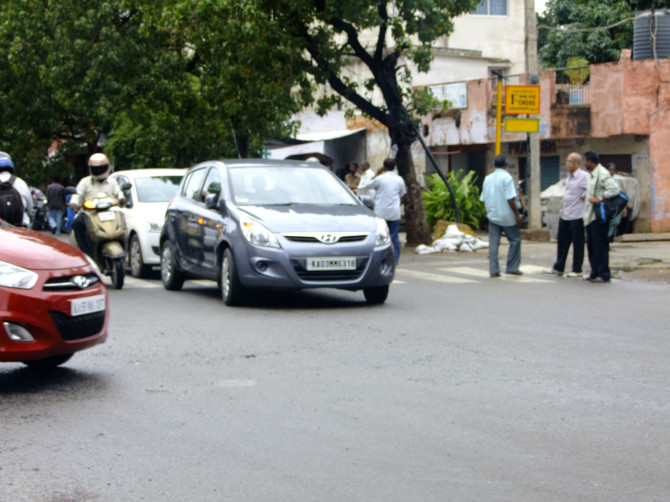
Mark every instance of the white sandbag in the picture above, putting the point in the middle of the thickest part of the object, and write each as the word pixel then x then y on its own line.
pixel 423 249
pixel 453 231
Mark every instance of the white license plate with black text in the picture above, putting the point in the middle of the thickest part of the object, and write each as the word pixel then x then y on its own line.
pixel 87 305
pixel 331 263
pixel 106 216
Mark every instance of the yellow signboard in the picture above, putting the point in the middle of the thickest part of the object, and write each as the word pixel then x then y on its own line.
pixel 522 99
pixel 522 125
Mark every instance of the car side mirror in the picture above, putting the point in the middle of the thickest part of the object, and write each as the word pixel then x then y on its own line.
pixel 212 201
pixel 125 188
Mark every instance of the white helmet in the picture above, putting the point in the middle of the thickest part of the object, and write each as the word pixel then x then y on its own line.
pixel 98 165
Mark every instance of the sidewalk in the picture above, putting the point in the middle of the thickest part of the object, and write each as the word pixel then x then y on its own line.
pixel 639 256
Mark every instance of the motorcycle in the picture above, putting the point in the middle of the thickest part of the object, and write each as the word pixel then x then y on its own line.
pixel 39 216
pixel 108 233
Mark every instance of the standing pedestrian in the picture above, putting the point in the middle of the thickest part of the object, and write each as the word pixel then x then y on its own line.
pixel 499 197
pixel 55 204
pixel 601 186
pixel 352 178
pixel 571 218
pixel 389 190
pixel 366 176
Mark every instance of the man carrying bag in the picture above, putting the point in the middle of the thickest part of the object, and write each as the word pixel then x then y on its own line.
pixel 601 186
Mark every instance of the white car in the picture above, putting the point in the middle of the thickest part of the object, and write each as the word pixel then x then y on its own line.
pixel 147 199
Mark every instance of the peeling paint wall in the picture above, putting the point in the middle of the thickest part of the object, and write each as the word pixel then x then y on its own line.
pixel 659 164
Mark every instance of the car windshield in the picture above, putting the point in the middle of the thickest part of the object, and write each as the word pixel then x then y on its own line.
pixel 262 186
pixel 156 188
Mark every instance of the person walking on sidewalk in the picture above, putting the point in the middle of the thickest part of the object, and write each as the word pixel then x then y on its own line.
pixel 499 197
pixel 601 186
pixel 571 218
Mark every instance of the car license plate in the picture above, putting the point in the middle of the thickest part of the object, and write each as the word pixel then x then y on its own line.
pixel 87 305
pixel 331 263
pixel 106 216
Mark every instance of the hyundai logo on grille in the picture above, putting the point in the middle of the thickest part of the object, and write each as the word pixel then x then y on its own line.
pixel 328 238
pixel 81 281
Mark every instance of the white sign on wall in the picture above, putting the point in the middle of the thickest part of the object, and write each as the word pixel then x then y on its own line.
pixel 456 94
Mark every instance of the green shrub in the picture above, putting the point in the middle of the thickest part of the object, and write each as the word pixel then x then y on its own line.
pixel 438 202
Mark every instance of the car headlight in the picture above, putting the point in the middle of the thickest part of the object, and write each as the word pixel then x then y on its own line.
pixel 257 234
pixel 12 276
pixel 383 237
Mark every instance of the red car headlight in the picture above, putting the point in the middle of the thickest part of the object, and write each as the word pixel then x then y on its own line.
pixel 12 276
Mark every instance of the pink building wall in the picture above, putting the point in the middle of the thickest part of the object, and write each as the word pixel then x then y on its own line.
pixel 626 98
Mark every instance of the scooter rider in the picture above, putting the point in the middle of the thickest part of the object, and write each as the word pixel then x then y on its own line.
pixel 90 186
pixel 6 174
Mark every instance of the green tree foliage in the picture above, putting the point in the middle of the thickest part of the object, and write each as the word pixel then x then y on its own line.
pixel 375 39
pixel 159 83
pixel 595 30
pixel 439 205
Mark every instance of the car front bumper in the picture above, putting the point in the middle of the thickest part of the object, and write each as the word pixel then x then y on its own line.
pixel 47 317
pixel 286 268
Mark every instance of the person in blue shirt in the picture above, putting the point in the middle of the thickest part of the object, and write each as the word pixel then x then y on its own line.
pixel 499 197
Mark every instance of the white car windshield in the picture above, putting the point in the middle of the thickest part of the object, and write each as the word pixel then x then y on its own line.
pixel 156 188
pixel 278 186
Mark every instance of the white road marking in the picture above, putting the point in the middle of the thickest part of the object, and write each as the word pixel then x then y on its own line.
pixel 427 276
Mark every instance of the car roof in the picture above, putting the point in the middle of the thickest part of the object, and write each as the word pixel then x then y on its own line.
pixel 152 171
pixel 268 163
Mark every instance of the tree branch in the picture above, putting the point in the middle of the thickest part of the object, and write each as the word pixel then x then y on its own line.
pixel 336 82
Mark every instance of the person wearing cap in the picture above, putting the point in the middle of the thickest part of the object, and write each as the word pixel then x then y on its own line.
pixel 89 187
pixel 499 198
pixel 6 173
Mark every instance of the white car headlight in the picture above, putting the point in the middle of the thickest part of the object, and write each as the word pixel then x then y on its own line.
pixel 383 237
pixel 257 234
pixel 12 276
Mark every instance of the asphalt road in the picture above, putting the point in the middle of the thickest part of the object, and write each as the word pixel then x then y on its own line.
pixel 459 388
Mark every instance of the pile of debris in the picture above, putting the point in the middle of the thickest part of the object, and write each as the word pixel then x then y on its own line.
pixel 454 239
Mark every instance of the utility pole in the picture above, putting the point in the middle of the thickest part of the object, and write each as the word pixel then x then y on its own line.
pixel 532 70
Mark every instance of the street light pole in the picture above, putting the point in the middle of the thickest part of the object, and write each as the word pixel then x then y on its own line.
pixel 534 203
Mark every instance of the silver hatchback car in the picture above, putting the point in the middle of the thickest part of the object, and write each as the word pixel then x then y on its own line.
pixel 256 223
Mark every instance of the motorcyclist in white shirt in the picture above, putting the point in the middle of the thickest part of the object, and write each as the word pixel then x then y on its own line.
pixel 89 187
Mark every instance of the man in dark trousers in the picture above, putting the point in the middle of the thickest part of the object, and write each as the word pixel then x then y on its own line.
pixel 56 204
pixel 601 186
pixel 571 222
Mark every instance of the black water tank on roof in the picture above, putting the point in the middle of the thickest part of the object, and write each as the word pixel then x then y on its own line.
pixel 651 32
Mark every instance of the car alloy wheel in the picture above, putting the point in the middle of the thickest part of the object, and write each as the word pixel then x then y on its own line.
pixel 137 266
pixel 172 278
pixel 231 289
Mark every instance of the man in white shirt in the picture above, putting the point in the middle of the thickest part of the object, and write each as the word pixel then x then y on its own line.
pixel 366 176
pixel 389 189
pixel 571 222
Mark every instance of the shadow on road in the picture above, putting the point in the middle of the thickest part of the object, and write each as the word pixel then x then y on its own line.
pixel 24 380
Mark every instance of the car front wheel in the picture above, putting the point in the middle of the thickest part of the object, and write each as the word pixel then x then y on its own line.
pixel 376 295
pixel 231 289
pixel 137 266
pixel 172 278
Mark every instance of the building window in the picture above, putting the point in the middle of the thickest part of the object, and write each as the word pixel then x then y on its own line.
pixel 491 8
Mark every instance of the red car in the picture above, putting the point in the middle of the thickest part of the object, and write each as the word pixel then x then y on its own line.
pixel 52 299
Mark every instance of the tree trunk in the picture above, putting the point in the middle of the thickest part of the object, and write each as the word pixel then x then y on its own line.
pixel 418 231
